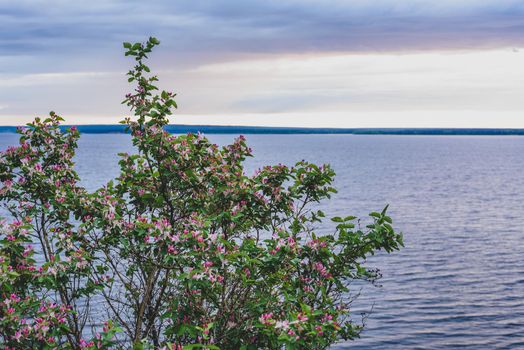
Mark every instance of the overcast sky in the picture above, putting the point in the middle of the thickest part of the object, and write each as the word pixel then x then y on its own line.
pixel 345 63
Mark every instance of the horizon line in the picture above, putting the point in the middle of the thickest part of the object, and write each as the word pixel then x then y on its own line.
pixel 236 129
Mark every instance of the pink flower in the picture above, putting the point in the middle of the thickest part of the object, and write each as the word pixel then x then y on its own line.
pixel 18 335
pixel 171 249
pixel 322 270
pixel 284 325
pixel 266 319
pixel 302 318
pixel 8 183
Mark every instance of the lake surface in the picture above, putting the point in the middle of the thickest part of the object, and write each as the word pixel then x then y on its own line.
pixel 459 200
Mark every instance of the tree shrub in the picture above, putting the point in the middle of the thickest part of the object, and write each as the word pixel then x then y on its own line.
pixel 182 250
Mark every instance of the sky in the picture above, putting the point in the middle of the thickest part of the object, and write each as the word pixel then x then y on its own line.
pixel 307 63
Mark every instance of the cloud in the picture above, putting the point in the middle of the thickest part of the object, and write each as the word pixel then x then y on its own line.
pixel 267 58
pixel 205 30
pixel 486 80
pixel 49 79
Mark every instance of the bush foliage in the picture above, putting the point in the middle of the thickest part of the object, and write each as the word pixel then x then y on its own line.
pixel 183 250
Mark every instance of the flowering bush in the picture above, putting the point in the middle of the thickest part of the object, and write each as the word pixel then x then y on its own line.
pixel 183 249
pixel 29 316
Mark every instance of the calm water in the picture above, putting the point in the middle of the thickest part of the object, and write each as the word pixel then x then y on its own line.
pixel 459 282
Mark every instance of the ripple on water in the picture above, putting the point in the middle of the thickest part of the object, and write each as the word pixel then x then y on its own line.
pixel 459 283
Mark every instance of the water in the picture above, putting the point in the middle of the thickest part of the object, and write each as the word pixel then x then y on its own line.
pixel 459 282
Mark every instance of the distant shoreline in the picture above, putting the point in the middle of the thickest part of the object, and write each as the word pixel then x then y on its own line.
pixel 211 129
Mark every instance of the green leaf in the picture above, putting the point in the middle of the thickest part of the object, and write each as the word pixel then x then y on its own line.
pixel 138 346
pixel 200 346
